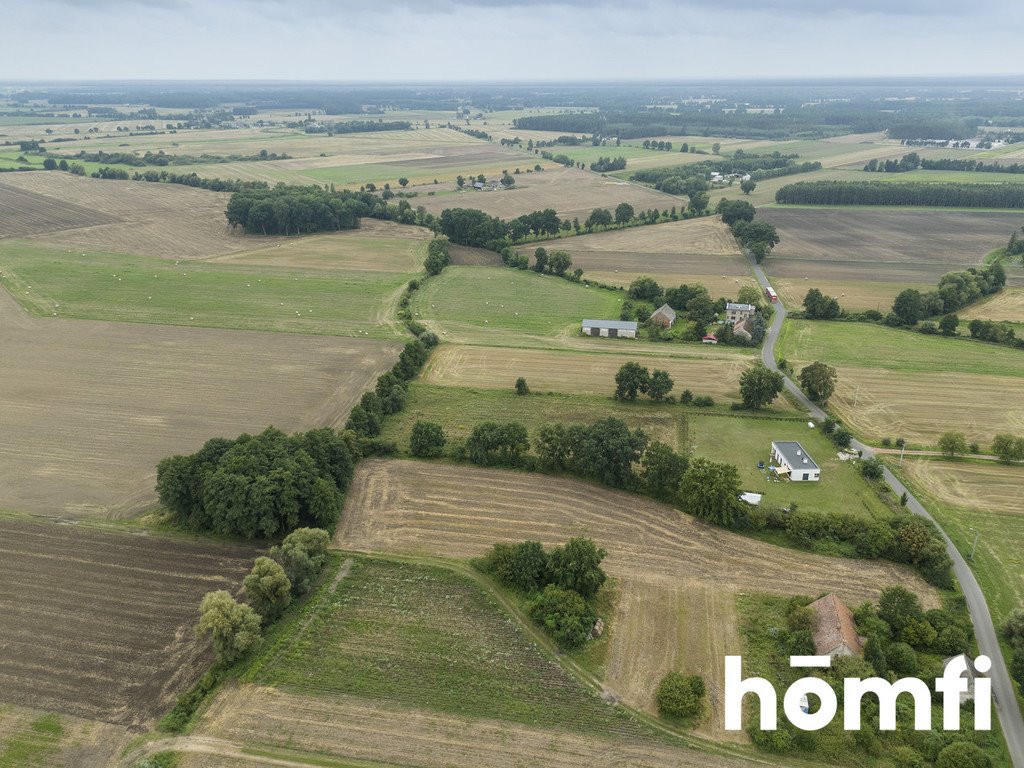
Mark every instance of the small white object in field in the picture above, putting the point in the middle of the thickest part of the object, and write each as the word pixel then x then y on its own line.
pixel 149 297
pixel 191 318
pixel 810 424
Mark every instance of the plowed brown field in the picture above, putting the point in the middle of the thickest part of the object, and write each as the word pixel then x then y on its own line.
pixel 99 624
pixel 677 576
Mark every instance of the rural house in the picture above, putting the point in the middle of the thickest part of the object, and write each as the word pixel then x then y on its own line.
pixel 833 628
pixel 664 316
pixel 792 460
pixel 612 328
pixel 736 312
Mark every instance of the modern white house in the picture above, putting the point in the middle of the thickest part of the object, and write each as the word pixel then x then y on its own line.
pixel 792 461
pixel 735 312
pixel 611 328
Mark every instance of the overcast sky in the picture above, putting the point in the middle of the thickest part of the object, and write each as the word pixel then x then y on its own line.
pixel 506 39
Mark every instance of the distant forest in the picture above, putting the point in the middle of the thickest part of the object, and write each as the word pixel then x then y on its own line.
pixel 952 195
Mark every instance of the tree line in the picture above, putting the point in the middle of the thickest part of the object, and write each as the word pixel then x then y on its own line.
pixel 161 158
pixel 913 161
pixel 944 194
pixel 955 291
pixel 357 126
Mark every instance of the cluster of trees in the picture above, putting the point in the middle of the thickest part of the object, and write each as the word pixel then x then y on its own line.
pixel 945 194
pixel 818 306
pixel 995 332
pixel 955 291
pixel 634 379
pixel 758 237
pixel 106 172
pixel 1008 447
pixel 758 167
pixel 608 164
pixel 295 210
pixel 437 255
pixel 560 584
pixel 913 161
pixel 1015 247
pixel 357 126
pixel 664 146
pixel 389 394
pixel 191 180
pixel 555 263
pixel 260 486
pixel 234 627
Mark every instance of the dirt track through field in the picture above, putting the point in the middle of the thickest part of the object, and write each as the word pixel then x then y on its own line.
pixel 678 577
pixel 87 409
pixel 351 728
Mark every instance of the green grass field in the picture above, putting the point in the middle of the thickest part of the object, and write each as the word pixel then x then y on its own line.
pixel 35 746
pixel 726 436
pixel 428 637
pixel 501 306
pixel 875 346
pixel 106 286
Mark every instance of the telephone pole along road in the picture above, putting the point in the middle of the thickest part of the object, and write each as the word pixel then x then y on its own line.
pixel 1007 706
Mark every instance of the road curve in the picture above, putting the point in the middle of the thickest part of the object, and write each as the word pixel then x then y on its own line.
pixel 1007 706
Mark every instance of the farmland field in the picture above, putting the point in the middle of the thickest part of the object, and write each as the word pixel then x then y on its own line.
pixel 895 383
pixel 974 501
pixel 712 372
pixel 571 192
pixel 87 408
pixel 99 285
pixel 107 632
pixel 337 729
pixel 865 258
pixel 429 509
pixel 500 306
pixel 1005 306
pixel 83 213
pixel 33 739
pixel 696 250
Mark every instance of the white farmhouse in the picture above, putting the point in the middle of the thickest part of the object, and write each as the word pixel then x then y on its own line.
pixel 792 460
pixel 735 312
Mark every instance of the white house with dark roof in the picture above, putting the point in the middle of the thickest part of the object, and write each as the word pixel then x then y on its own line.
pixel 736 312
pixel 793 461
pixel 612 328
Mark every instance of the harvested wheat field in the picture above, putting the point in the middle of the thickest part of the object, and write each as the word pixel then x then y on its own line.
pixel 152 219
pixel 409 507
pixel 921 406
pixel 34 739
pixel 88 408
pixel 571 192
pixel 99 624
pixel 377 246
pixel 585 373
pixel 1007 305
pixel 988 486
pixel 833 249
pixel 356 729
pixel 692 251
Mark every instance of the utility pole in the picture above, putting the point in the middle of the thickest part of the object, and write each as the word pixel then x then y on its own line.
pixel 975 545
pixel 902 449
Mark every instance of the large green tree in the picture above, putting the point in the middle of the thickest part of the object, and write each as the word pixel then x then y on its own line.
pixel 577 566
pixel 819 381
pixel 233 627
pixel 267 589
pixel 631 380
pixel 710 491
pixel 760 386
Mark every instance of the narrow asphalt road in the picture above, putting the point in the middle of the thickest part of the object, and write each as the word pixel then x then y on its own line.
pixel 1006 702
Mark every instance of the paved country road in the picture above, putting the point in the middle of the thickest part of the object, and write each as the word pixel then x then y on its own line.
pixel 1007 706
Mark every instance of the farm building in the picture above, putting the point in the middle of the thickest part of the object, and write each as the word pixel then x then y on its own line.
pixel 664 316
pixel 710 339
pixel 834 630
pixel 612 328
pixel 792 460
pixel 743 329
pixel 736 312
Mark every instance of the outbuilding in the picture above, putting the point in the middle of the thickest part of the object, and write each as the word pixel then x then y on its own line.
pixel 611 328
pixel 792 460
pixel 710 339
pixel 664 316
pixel 834 629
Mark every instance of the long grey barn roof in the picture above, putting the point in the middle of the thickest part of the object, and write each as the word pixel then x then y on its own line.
pixel 789 448
pixel 619 325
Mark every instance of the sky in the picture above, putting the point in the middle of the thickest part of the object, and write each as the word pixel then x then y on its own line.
pixel 507 40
